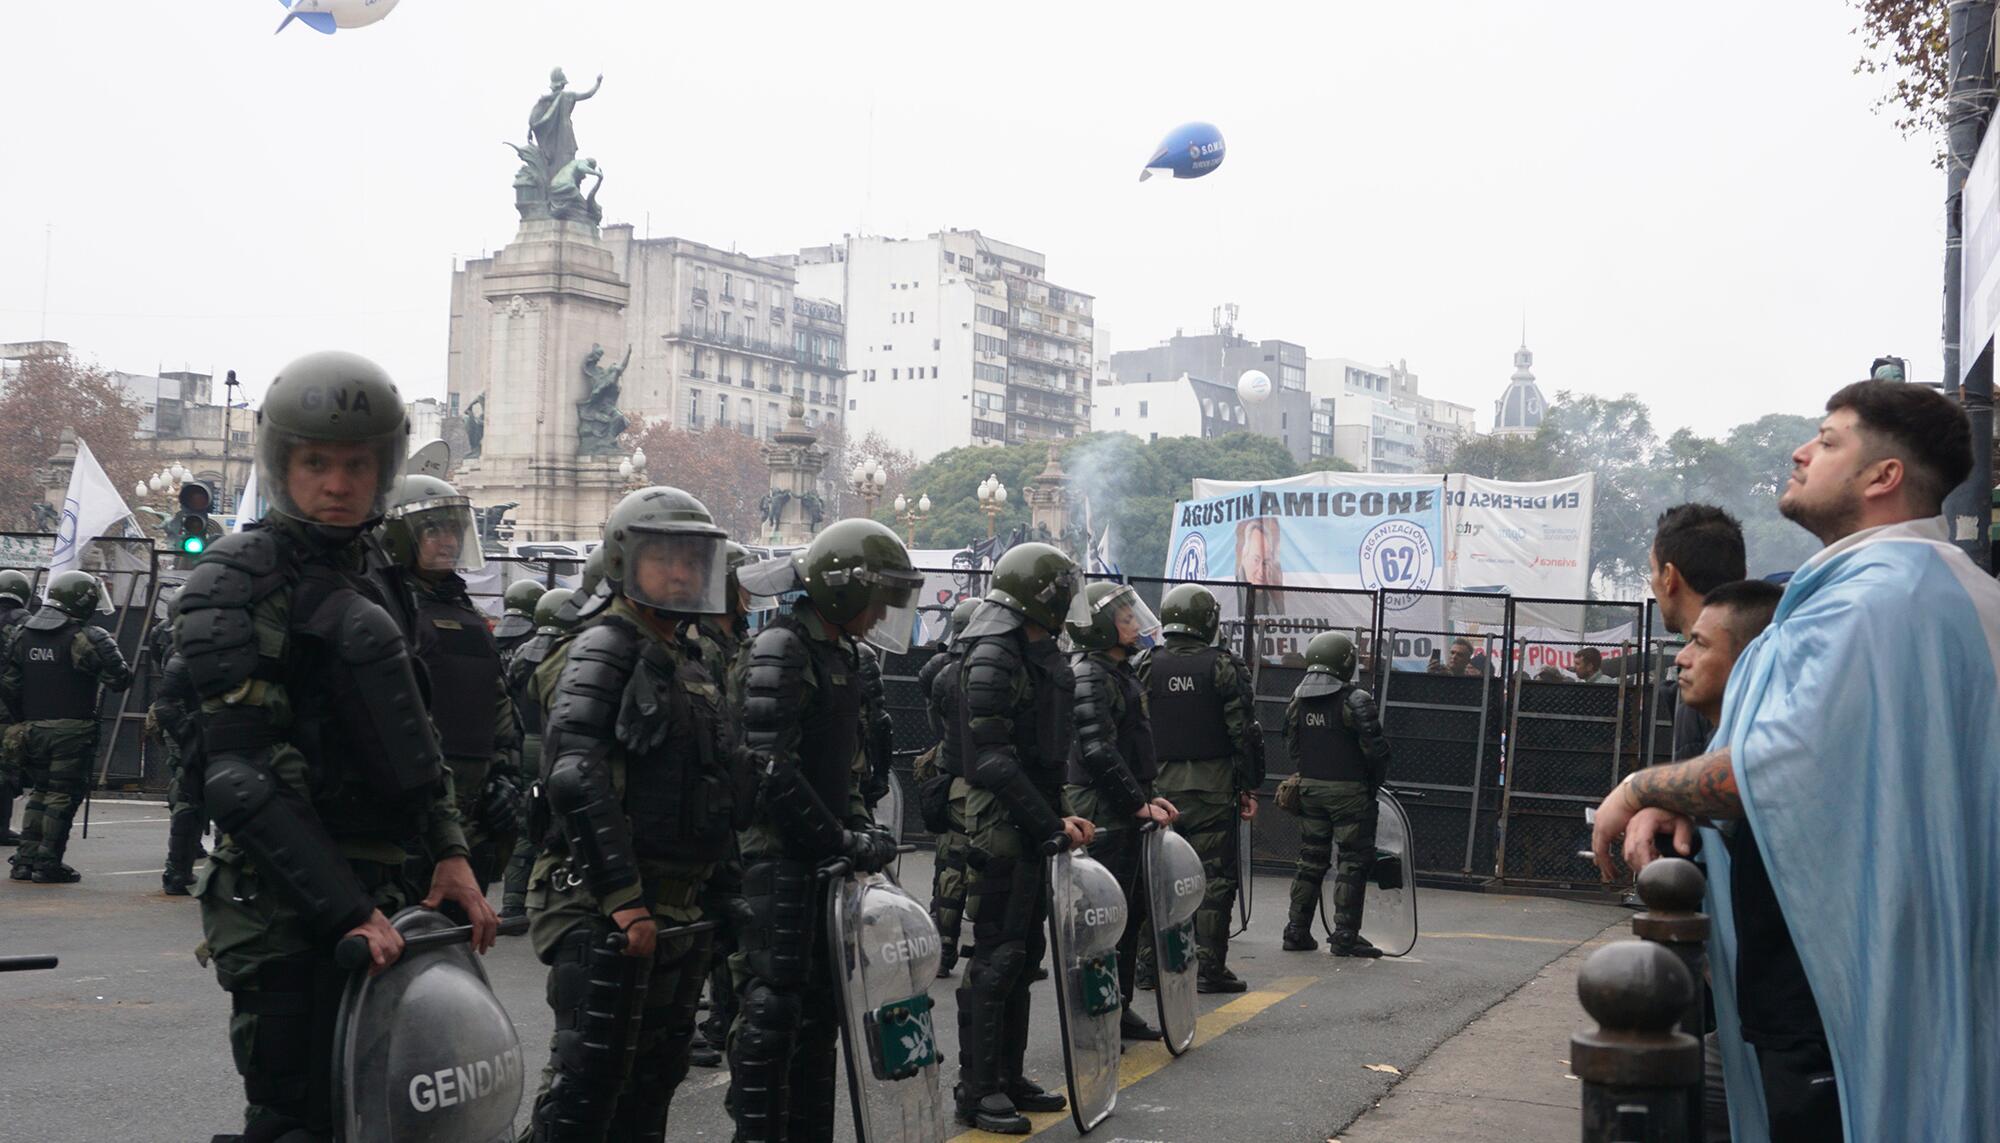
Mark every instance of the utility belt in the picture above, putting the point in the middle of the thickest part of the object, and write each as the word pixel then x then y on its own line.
pixel 658 893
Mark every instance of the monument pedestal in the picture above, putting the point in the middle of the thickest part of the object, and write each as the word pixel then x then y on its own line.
pixel 555 294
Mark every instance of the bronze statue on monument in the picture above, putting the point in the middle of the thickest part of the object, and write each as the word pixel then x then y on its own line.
pixel 549 181
pixel 599 424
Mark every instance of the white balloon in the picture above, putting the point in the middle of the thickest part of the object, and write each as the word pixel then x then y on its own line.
pixel 1254 387
pixel 325 15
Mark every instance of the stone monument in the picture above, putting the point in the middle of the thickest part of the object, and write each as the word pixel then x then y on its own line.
pixel 547 435
pixel 792 509
pixel 1047 495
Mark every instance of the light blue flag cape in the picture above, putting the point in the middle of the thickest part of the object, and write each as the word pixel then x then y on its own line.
pixel 1864 727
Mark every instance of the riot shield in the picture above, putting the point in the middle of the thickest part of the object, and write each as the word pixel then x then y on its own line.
pixel 1244 882
pixel 886 955
pixel 1389 911
pixel 1086 918
pixel 1171 870
pixel 889 815
pixel 424 1050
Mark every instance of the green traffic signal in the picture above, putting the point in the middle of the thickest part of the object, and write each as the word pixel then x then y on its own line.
pixel 193 545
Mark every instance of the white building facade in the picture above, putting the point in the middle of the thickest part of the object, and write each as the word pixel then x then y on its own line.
pixel 956 339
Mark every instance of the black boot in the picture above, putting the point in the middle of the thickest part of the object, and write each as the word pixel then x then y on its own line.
pixel 1132 1026
pixel 1026 1093
pixel 1299 938
pixel 1347 943
pixel 55 873
pixel 1219 979
pixel 979 1100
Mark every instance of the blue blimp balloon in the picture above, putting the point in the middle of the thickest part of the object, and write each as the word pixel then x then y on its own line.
pixel 324 16
pixel 1188 152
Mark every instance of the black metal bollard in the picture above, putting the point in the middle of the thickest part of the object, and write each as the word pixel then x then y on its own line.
pixel 1672 889
pixel 1638 1072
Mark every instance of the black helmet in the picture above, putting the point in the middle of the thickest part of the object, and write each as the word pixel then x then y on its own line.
pixel 1041 584
pixel 347 404
pixel 593 572
pixel 1112 606
pixel 851 569
pixel 1191 609
pixel 523 598
pixel 962 615
pixel 1330 663
pixel 429 527
pixel 549 611
pixel 77 594
pixel 16 586
pixel 662 549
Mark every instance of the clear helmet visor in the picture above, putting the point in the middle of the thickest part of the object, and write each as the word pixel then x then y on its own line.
pixel 443 535
pixel 1134 622
pixel 685 572
pixel 1079 602
pixel 343 484
pixel 895 595
pixel 104 606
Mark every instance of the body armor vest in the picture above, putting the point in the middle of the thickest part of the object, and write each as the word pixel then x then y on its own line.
pixel 830 729
pixel 680 794
pixel 1186 707
pixel 465 668
pixel 944 695
pixel 1328 750
pixel 1134 733
pixel 521 667
pixel 52 685
pixel 375 765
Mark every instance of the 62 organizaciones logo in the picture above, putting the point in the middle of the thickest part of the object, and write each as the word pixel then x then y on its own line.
pixel 1397 560
pixel 1191 558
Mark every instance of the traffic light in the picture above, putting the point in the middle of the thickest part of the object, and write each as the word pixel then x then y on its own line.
pixel 1889 369
pixel 189 529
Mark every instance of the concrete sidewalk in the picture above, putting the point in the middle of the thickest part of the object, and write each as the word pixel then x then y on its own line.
pixel 1504 1078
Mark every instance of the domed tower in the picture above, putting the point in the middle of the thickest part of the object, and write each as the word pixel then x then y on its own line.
pixel 1519 410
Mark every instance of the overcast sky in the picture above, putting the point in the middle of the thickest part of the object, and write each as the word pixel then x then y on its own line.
pixel 1691 202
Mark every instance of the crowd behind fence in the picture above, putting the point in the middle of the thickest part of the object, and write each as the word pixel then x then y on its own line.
pixel 1497 748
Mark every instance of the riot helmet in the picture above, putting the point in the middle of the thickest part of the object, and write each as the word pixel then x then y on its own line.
pixel 858 568
pixel 743 601
pixel 663 550
pixel 428 527
pixel 549 615
pixel 16 587
pixel 1042 585
pixel 962 615
pixel 523 598
pixel 1191 609
pixel 1118 618
pixel 1331 653
pixel 332 421
pixel 592 574
pixel 77 594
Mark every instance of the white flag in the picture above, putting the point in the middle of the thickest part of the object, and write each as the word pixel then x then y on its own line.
pixel 246 504
pixel 90 510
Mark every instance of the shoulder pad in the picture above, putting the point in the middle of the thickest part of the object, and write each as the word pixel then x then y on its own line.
pixel 47 619
pixel 231 583
pixel 990 652
pixel 99 638
pixel 256 553
pixel 592 684
pixel 1359 700
pixel 772 681
pixel 1091 669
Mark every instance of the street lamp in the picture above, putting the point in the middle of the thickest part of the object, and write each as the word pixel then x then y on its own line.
pixel 912 514
pixel 869 480
pixel 992 501
pixel 632 470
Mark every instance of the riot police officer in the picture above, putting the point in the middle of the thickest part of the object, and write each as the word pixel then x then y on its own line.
pixel 55 664
pixel 1111 765
pixel 521 665
pixel 429 532
pixel 15 593
pixel 1337 748
pixel 1016 692
pixel 311 763
pixel 518 624
pixel 638 795
pixel 938 680
pixel 1211 753
pixel 802 709
pixel 170 719
pixel 722 640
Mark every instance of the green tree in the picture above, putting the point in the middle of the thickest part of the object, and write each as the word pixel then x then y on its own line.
pixel 1328 463
pixel 1909 40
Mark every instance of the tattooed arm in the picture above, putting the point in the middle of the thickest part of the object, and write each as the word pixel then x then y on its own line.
pixel 1703 787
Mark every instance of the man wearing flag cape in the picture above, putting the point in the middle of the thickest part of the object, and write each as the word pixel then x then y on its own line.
pixel 1856 759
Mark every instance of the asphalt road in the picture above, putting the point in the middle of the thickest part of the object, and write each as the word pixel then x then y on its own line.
pixel 127 1039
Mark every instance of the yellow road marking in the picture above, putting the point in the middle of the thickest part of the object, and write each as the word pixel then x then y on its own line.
pixel 1142 1060
pixel 1500 937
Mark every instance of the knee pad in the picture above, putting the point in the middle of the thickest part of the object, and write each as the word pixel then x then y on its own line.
pixel 767 1022
pixel 596 995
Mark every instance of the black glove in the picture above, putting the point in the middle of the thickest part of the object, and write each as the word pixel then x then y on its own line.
pixel 870 850
pixel 500 803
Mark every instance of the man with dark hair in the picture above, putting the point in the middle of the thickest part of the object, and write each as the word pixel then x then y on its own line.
pixel 1696 549
pixel 1857 747
pixel 1590 666
pixel 1459 663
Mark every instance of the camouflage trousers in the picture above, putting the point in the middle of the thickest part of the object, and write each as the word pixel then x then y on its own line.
pixel 284 988
pixel 1333 813
pixel 51 763
pixel 948 881
pixel 600 999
